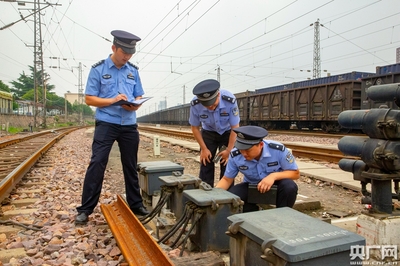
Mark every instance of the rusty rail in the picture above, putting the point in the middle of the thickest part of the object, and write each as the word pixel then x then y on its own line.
pixel 135 243
pixel 318 153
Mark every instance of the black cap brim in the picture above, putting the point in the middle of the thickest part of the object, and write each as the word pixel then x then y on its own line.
pixel 208 102
pixel 128 50
pixel 243 146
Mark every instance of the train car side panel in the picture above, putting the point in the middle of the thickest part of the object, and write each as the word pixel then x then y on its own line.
pixel 388 78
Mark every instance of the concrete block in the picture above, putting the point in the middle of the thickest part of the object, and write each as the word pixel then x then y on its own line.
pixel 379 232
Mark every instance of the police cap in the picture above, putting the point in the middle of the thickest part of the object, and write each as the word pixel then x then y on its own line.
pixel 247 136
pixel 207 91
pixel 125 40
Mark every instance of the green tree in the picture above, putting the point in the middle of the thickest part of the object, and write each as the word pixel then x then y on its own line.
pixel 26 83
pixel 4 87
pixel 76 108
pixel 53 101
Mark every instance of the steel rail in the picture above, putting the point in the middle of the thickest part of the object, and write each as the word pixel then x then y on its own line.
pixel 318 153
pixel 135 243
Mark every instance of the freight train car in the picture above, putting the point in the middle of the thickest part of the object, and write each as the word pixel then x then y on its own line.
pixel 318 81
pixel 6 100
pixel 388 74
pixel 311 104
pixel 177 115
pixel 308 107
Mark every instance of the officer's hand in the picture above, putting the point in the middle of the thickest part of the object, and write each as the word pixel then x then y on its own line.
pixel 265 184
pixel 130 107
pixel 120 97
pixel 224 156
pixel 205 156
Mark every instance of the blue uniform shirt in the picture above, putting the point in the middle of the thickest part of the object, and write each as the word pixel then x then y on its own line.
pixel 221 119
pixel 106 81
pixel 274 158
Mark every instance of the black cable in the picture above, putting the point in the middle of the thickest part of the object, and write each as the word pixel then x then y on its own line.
pixel 199 214
pixel 156 210
pixel 182 230
pixel 178 224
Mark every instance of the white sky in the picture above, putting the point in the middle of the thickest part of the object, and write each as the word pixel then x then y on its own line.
pixel 256 43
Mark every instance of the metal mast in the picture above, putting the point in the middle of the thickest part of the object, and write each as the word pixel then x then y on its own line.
pixel 317 55
pixel 219 73
pixel 38 64
pixel 80 94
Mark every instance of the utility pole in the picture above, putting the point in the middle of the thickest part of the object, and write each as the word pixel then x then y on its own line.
pixel 80 87
pixel 80 94
pixel 38 65
pixel 317 55
pixel 183 94
pixel 218 73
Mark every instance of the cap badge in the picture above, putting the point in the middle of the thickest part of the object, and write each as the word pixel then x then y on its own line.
pixel 206 95
pixel 240 135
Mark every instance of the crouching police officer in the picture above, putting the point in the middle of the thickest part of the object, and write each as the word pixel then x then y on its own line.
pixel 262 162
pixel 213 115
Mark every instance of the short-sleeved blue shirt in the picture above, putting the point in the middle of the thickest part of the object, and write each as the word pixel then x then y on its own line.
pixel 274 158
pixel 221 119
pixel 107 81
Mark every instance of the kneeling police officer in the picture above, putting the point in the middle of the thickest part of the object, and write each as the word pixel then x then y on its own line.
pixel 262 162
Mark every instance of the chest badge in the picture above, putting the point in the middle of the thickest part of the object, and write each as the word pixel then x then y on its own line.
pixel 106 76
pixel 130 76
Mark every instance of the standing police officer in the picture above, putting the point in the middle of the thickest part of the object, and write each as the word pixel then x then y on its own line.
pixel 215 111
pixel 110 81
pixel 262 162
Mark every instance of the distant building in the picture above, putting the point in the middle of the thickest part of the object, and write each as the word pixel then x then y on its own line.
pixel 162 105
pixel 398 55
pixel 26 107
pixel 73 97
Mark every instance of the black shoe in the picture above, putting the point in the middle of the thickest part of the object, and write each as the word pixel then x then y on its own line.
pixel 81 218
pixel 141 211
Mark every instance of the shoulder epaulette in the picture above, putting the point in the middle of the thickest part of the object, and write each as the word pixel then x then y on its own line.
pixel 135 66
pixel 235 153
pixel 98 63
pixel 194 102
pixel 276 146
pixel 229 98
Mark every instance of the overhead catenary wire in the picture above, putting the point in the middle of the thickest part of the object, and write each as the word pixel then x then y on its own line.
pixel 170 85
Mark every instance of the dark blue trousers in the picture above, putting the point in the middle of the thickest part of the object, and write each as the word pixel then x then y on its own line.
pixel 285 197
pixel 105 135
pixel 213 141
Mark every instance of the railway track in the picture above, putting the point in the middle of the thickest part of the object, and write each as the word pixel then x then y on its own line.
pixel 318 153
pixel 18 155
pixel 33 153
pixel 135 243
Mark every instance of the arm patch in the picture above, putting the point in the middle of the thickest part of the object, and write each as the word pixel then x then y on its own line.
pixel 275 146
pixel 98 63
pixel 135 66
pixel 229 99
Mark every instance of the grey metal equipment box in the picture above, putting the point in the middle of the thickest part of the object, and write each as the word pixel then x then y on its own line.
pixel 176 202
pixel 149 172
pixel 284 236
pixel 210 230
